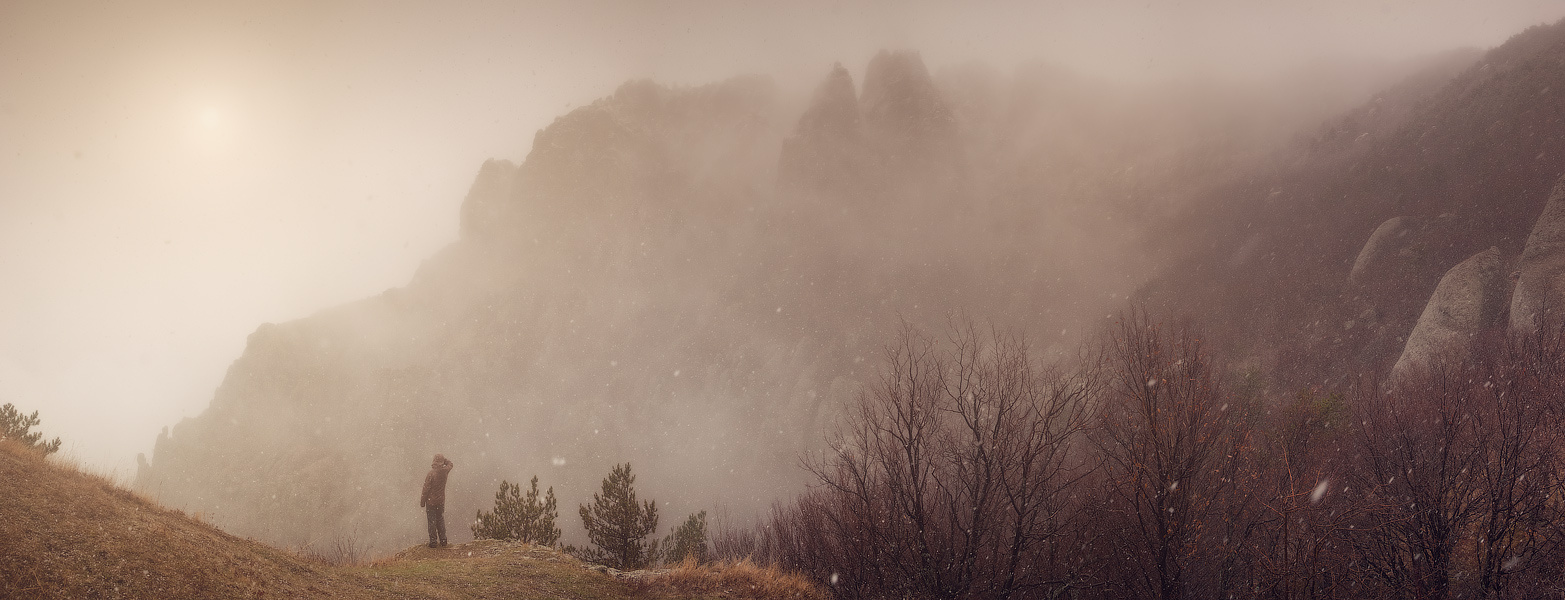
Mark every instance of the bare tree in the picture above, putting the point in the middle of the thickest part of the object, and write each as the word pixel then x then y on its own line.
pixel 951 478
pixel 1516 409
pixel 1011 461
pixel 1172 445
pixel 1297 548
pixel 971 471
pixel 1420 453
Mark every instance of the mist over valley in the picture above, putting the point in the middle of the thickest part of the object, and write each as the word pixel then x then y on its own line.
pixel 720 280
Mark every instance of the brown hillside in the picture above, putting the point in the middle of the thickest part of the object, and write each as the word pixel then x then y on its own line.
pixel 72 535
pixel 68 534
pixel 1266 260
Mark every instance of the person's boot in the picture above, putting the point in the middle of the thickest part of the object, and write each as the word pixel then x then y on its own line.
pixel 431 544
pixel 443 543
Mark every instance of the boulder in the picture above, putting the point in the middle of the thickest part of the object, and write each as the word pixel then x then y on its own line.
pixel 1469 299
pixel 1380 246
pixel 1404 249
pixel 1540 282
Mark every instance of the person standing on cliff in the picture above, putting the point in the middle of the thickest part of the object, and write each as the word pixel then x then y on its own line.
pixel 434 499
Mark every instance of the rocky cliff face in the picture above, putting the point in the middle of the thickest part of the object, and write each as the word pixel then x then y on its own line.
pixel 696 281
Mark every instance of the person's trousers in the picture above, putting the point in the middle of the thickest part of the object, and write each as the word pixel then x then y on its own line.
pixel 437 523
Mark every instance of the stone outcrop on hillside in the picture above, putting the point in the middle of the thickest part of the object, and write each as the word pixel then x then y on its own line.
pixel 1469 299
pixel 1540 281
pixel 1382 245
pixel 1399 247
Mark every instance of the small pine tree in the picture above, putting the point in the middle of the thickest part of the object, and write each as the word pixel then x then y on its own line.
pixel 521 518
pixel 689 540
pixel 14 426
pixel 618 525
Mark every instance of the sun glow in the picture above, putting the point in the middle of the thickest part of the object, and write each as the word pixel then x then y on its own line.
pixel 212 128
pixel 211 118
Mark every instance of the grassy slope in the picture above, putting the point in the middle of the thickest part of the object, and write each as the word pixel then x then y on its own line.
pixel 66 534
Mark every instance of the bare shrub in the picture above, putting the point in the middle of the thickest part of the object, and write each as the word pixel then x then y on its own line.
pixel 341 551
pixel 743 579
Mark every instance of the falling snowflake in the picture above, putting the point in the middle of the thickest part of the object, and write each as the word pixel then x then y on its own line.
pixel 1320 491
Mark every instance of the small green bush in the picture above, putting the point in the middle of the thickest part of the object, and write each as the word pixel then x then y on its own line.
pixel 521 518
pixel 688 540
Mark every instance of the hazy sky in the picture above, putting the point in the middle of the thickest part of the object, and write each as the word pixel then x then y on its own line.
pixel 173 175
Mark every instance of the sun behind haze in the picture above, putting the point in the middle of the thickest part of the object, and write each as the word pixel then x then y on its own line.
pixel 173 175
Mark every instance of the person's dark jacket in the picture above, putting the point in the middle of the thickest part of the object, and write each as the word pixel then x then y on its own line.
pixel 434 495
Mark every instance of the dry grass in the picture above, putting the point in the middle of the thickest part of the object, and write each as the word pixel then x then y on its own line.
pixel 742 579
pixel 65 533
pixel 70 534
pixel 341 552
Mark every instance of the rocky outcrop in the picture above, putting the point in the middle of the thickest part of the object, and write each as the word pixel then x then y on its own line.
pixel 484 209
pixel 899 134
pixel 1402 247
pixel 636 154
pixel 906 116
pixel 826 149
pixel 1469 299
pixel 1485 147
pixel 1379 246
pixel 1540 284
pixel 901 103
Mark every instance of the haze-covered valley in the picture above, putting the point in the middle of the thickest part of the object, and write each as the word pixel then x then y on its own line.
pixel 698 274
pixel 698 279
